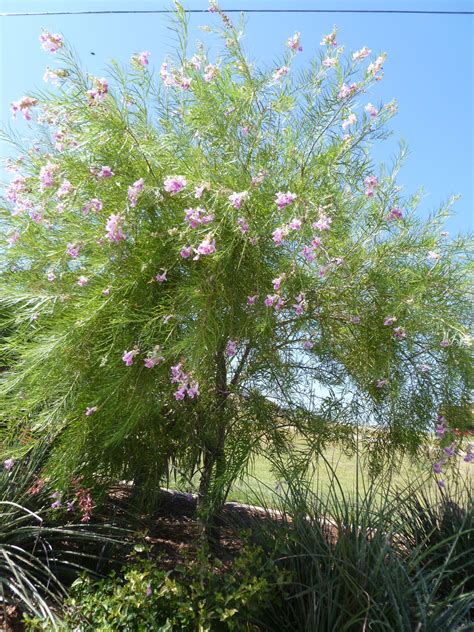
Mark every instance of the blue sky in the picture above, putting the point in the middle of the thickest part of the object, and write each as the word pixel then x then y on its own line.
pixel 429 70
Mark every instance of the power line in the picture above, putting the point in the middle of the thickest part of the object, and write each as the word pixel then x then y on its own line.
pixel 148 11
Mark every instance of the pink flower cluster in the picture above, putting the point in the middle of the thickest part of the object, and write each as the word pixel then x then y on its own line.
pixel 243 225
pixel 65 188
pixel 134 191
pixel 99 91
pixel 174 184
pixel 361 54
pixel 371 110
pixel 46 176
pixel 128 356
pixel 279 73
pixel 197 216
pixel 142 58
pixel 275 301
pixel 347 91
pixel 376 67
pixel 231 348
pixel 210 72
pixel 350 120
pixel 257 179
pixel 104 173
pixel 370 183
pixel 323 222
pixel 330 40
pixel 300 305
pixel 93 205
pixel 113 227
pixel 236 199
pixel 394 214
pixel 294 42
pixel 154 358
pixel 51 42
pixel 283 199
pixel 24 106
pixel 329 62
pixel 73 250
pixel 186 387
pixel 173 79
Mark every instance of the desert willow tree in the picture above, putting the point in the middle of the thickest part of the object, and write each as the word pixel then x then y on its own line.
pixel 191 264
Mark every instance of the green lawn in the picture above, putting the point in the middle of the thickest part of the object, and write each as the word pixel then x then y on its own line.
pixel 260 483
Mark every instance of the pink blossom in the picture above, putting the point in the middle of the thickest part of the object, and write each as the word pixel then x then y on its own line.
pixel 53 75
pixel 134 191
pixel 236 199
pixel 355 320
pixel 270 300
pixel 294 42
pixel 82 280
pixel 231 348
pixel 329 40
pixel 8 464
pixel 161 278
pixel 206 247
pixel 90 410
pixel 322 271
pixel 395 213
pixel 213 8
pixel 371 110
pixel 308 253
pixel 51 42
pixel 184 82
pixel 279 304
pixel 98 93
pixel 251 299
pixel 193 390
pixel 93 205
pixel 198 191
pixel 350 120
pixel 438 467
pixel 186 252
pixel 174 184
pixel 24 106
pixel 106 291
pixel 381 383
pixel 308 345
pixel 16 186
pixel 210 72
pixel 279 234
pixel 425 367
pixel 433 256
pixel 324 222
pixel 13 238
pixel 444 343
pixel 113 227
pixel 51 276
pixel 46 175
pixel 279 73
pixel 129 355
pixel 154 358
pixel 36 215
pixel 197 216
pixel 196 61
pixel 347 91
pixel 180 393
pixel 371 182
pixel 277 282
pixel 64 189
pixel 389 320
pixel 441 483
pixel 361 54
pixel 329 62
pixel 259 177
pixel 142 58
pixel 243 225
pixel 105 172
pixel 399 333
pixel 283 199
pixel 73 250
pixel 374 68
pixel 295 224
pixel 245 131
pixel 440 430
pixel 450 450
pixel 300 304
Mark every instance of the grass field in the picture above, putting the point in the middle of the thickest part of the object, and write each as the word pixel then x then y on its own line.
pixel 261 483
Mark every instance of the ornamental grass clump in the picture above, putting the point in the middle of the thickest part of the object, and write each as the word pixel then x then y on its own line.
pixel 195 260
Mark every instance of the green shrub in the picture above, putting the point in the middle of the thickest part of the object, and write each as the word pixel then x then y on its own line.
pixel 201 595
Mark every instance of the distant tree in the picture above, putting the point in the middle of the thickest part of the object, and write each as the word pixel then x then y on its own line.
pixel 197 262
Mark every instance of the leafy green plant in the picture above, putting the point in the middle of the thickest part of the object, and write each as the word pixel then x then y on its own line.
pixel 195 264
pixel 201 594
